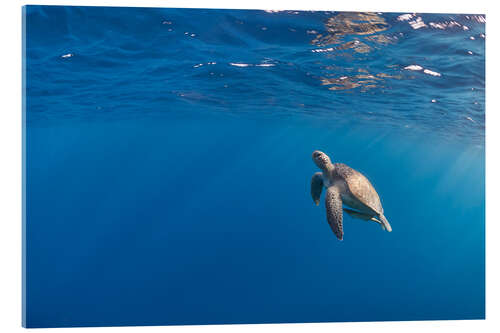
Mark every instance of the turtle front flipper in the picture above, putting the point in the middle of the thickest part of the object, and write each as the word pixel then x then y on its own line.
pixel 316 186
pixel 333 203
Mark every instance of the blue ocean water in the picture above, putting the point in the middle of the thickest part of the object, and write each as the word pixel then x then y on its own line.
pixel 167 165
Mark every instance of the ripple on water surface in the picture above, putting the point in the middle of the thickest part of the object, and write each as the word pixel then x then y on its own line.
pixel 404 70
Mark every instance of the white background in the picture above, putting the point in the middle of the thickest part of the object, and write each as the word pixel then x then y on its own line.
pixel 10 161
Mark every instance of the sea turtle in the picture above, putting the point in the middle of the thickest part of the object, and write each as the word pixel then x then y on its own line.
pixel 347 186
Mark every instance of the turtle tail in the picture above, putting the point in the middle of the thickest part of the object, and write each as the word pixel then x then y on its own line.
pixel 385 223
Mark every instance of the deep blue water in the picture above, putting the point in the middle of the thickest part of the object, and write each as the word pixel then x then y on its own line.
pixel 168 160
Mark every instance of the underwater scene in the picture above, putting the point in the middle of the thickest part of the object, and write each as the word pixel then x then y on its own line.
pixel 169 175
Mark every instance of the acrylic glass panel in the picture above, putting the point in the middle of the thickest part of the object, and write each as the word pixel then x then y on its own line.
pixel 168 166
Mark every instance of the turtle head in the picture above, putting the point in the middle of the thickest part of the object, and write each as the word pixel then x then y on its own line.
pixel 321 159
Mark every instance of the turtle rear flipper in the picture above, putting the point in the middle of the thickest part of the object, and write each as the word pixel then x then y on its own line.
pixel 385 223
pixel 366 217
